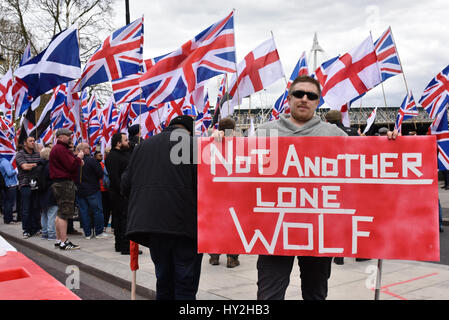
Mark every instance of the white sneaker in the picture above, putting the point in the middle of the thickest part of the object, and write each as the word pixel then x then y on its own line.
pixel 88 238
pixel 102 235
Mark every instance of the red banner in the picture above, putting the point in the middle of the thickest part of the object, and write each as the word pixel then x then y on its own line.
pixel 365 197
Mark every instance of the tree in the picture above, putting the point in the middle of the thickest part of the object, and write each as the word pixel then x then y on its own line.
pixel 38 21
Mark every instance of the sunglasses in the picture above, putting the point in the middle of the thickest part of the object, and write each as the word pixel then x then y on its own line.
pixel 310 95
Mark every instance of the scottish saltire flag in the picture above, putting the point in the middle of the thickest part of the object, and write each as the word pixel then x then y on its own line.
pixel 119 56
pixel 281 104
pixel 436 95
pixel 26 55
pixel 387 55
pixel 127 89
pixel 209 54
pixel 439 127
pixel 259 69
pixel 353 74
pixel 407 110
pixel 370 120
pixel 58 63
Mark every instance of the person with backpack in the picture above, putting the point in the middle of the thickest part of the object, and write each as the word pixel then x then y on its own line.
pixel 8 186
pixel 47 201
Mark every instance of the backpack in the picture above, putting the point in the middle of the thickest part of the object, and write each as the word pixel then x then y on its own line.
pixel 38 173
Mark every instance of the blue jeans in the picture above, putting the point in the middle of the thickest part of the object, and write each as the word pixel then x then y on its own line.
pixel 93 204
pixel 48 222
pixel 30 210
pixel 9 198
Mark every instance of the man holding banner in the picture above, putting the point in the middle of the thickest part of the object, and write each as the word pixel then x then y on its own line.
pixel 274 271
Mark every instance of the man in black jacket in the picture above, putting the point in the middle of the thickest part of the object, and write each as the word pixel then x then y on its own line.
pixel 334 116
pixel 89 195
pixel 116 163
pixel 161 182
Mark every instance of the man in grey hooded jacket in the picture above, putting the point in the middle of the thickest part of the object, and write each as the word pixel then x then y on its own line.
pixel 274 271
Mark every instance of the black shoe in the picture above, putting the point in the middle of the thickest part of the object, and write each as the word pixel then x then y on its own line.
pixel 126 252
pixel 441 229
pixel 338 260
pixel 361 259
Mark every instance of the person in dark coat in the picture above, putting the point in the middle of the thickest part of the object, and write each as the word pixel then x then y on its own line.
pixel 133 132
pixel 161 181
pixel 89 194
pixel 334 116
pixel 116 163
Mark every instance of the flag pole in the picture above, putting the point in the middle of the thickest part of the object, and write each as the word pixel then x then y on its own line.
pixel 237 79
pixel 403 73
pixel 285 78
pixel 400 63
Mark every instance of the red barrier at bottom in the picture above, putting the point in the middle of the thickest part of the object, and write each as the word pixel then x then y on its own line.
pixel 22 279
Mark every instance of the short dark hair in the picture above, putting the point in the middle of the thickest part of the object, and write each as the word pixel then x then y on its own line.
pixel 116 138
pixel 226 123
pixel 305 79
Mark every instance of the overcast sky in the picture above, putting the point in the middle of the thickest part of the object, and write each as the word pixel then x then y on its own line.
pixel 419 29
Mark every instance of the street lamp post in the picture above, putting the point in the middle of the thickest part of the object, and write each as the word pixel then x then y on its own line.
pixel 127 12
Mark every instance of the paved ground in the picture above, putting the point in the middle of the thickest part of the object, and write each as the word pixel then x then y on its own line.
pixel 408 280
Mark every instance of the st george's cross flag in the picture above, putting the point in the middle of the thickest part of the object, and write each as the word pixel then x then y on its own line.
pixel 436 95
pixel 260 68
pixel 120 55
pixel 281 105
pixel 58 63
pixel 353 74
pixel 210 53
pixel 370 120
pixel 407 110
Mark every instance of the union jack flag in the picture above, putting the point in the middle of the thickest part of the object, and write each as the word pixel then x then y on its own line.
pixel 46 136
pixel 321 74
pixel 204 118
pixel 439 127
pixel 85 103
pixel 222 89
pixel 407 110
pixel 436 95
pixel 109 118
pixel 120 55
pixel 210 53
pixel 387 55
pixel 281 105
pixel 127 89
pixel 7 147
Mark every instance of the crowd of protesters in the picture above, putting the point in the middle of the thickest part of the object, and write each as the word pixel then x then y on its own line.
pixel 152 200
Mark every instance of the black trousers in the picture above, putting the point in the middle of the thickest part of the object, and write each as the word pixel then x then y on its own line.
pixel 177 265
pixel 274 276
pixel 119 217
